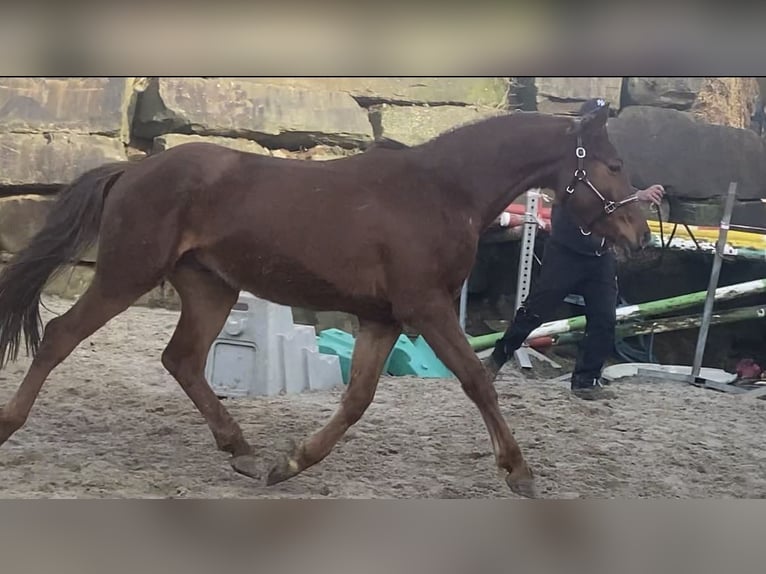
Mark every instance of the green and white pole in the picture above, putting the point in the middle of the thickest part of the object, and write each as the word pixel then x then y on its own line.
pixel 648 309
pixel 632 329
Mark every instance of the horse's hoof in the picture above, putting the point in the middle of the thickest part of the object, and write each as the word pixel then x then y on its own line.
pixel 286 468
pixel 523 484
pixel 246 464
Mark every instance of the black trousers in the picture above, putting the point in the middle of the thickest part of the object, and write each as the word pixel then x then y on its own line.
pixel 563 272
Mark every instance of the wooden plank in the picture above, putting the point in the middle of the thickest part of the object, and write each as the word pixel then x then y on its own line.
pixel 522 358
pixel 754 393
pixel 665 375
pixel 723 387
pixel 697 382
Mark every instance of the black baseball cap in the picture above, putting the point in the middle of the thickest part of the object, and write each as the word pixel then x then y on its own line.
pixel 591 106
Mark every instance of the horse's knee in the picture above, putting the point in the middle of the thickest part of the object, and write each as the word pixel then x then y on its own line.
pixel 52 327
pixel 171 361
pixel 52 348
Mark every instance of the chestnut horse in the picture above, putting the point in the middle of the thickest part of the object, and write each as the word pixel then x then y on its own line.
pixel 388 235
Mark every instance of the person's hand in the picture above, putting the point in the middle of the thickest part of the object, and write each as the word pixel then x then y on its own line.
pixel 652 194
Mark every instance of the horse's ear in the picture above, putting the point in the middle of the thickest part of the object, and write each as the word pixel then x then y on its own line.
pixel 592 122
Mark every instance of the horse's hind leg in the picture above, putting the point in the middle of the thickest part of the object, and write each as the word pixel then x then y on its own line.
pixel 205 303
pixel 61 336
pixel 372 347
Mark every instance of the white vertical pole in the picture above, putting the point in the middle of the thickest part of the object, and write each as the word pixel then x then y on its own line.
pixel 527 253
pixel 463 304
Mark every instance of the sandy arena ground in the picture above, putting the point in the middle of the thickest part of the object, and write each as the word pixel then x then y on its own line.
pixel 112 423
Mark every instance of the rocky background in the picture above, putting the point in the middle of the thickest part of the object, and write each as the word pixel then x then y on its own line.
pixel 694 135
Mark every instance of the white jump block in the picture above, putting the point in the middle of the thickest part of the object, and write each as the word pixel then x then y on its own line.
pixel 261 352
pixel 323 370
pixel 231 368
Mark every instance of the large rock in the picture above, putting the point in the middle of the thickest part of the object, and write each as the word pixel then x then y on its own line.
pixel 322 320
pixel 677 92
pixel 412 125
pixel 53 159
pixel 71 282
pixel 316 153
pixel 565 95
pixel 290 116
pixel 167 141
pixel 714 100
pixel 78 105
pixel 21 217
pixel 74 280
pixel 727 101
pixel 492 92
pixel 691 159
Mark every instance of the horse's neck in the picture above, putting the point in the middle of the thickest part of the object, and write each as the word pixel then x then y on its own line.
pixel 489 174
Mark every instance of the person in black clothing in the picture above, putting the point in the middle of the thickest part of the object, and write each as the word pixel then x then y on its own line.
pixel 574 262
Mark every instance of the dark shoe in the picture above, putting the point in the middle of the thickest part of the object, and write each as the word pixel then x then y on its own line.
pixel 592 392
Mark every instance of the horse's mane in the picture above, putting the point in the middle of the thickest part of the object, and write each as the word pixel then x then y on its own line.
pixel 387 143
pixel 507 116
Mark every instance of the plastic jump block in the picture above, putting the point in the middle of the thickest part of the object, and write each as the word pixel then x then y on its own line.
pixel 416 359
pixel 406 358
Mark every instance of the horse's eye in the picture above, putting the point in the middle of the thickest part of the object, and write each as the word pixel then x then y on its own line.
pixel 615 166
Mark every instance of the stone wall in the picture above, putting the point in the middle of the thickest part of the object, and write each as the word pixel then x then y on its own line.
pixel 52 129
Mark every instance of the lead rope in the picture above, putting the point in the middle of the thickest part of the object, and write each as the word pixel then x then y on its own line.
pixel 663 244
pixel 662 235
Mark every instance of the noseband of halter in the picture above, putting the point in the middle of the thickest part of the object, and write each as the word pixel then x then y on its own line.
pixel 581 176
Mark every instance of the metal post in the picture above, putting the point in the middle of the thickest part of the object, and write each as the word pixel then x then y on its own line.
pixel 526 261
pixel 463 304
pixel 526 258
pixel 713 284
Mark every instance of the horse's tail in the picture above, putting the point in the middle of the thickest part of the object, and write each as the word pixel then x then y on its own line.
pixel 71 227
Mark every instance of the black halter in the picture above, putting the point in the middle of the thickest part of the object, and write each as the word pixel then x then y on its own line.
pixel 580 176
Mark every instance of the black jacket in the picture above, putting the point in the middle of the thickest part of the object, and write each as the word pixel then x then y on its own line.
pixel 566 233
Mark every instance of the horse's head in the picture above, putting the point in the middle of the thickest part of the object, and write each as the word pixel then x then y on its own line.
pixel 595 187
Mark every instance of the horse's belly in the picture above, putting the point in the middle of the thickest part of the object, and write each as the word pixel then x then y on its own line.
pixel 288 282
